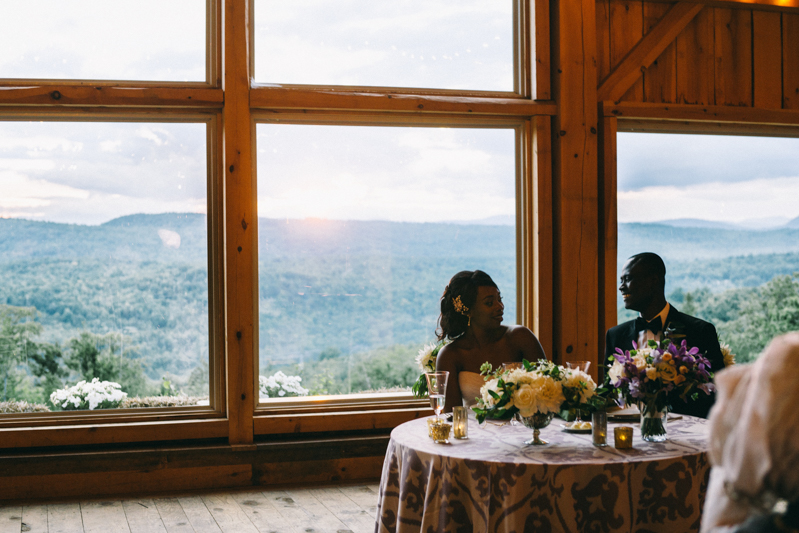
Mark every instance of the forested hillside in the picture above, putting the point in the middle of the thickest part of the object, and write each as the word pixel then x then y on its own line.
pixel 356 298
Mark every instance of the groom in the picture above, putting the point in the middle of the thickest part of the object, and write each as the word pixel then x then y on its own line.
pixel 643 282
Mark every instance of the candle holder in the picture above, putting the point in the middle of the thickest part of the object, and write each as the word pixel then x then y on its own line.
pixel 599 428
pixel 460 422
pixel 439 430
pixel 623 436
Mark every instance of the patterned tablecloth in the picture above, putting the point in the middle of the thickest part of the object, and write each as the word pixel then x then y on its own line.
pixel 492 482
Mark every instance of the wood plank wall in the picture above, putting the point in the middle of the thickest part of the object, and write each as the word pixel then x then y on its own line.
pixel 725 56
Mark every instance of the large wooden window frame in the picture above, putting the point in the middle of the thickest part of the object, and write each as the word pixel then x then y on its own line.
pixel 665 118
pixel 231 106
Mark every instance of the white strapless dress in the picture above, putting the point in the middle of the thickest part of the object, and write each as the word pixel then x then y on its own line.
pixel 470 384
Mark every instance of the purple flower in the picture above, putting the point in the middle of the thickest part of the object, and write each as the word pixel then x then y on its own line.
pixel 707 387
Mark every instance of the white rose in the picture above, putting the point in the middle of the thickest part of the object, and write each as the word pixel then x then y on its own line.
pixel 616 372
pixel 639 360
pixel 487 399
pixel 425 358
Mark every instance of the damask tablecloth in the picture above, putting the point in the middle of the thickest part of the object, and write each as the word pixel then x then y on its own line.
pixel 492 482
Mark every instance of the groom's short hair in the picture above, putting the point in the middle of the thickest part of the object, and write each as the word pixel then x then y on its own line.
pixel 652 264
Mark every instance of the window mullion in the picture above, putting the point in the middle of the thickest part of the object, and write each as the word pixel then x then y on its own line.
pixel 241 227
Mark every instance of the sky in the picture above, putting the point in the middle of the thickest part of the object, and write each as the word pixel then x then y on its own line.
pixel 85 173
pixel 741 180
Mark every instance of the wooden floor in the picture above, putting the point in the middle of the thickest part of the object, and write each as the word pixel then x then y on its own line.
pixel 330 509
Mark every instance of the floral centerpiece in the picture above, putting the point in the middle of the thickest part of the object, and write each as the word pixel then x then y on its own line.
pixel 91 395
pixel 426 360
pixel 655 374
pixel 536 392
pixel 279 385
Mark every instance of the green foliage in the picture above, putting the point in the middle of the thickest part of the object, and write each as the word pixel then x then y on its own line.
pixel 108 358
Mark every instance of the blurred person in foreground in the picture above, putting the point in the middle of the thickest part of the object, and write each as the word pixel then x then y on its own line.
pixel 643 285
pixel 754 444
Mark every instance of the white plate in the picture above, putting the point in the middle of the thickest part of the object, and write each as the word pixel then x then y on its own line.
pixel 568 429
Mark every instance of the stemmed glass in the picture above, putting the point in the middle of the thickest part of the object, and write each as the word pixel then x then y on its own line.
pixel 437 390
pixel 579 365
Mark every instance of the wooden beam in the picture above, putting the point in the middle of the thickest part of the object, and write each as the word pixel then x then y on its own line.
pixel 609 231
pixel 541 225
pixel 241 223
pixel 767 59
pixel 697 113
pixel 309 98
pixel 790 61
pixel 336 421
pixel 647 50
pixel 63 95
pixel 91 434
pixel 575 186
pixel 541 65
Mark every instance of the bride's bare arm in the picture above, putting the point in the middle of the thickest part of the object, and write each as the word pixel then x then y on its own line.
pixel 527 343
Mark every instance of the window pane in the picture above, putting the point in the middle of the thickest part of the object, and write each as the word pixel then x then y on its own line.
pixel 102 40
pixel 103 259
pixel 360 229
pixel 722 212
pixel 446 44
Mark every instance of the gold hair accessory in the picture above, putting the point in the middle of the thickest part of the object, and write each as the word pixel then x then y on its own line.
pixel 459 307
pixel 462 309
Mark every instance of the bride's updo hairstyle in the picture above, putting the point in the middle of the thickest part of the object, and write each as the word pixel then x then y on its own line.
pixel 460 296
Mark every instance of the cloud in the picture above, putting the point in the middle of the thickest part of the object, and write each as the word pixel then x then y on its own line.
pixel 394 44
pixel 377 173
pixel 97 39
pixel 651 159
pixel 92 172
pixel 717 201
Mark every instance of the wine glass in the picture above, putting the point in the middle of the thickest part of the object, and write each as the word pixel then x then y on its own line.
pixel 437 390
pixel 579 365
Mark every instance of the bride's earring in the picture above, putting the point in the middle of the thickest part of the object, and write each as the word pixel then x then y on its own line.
pixel 470 321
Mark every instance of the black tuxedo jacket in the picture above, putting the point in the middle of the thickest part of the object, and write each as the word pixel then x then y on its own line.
pixel 698 333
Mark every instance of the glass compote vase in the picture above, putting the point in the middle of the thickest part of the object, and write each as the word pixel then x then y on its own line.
pixel 653 422
pixel 536 422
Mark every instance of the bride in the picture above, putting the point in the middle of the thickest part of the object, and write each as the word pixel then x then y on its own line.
pixel 471 317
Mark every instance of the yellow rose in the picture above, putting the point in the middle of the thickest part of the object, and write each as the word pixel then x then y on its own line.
pixel 679 379
pixel 683 369
pixel 666 357
pixel 666 372
pixel 652 373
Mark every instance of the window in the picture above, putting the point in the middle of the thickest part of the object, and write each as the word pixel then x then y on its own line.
pixel 99 40
pixel 164 83
pixel 104 270
pixel 722 212
pixel 360 229
pixel 464 45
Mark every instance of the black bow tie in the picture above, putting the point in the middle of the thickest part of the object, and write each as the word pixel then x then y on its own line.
pixel 655 326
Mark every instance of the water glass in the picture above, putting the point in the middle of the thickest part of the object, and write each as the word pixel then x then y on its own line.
pixel 437 390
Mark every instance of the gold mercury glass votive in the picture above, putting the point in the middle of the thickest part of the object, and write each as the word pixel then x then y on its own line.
pixel 439 430
pixel 460 422
pixel 623 436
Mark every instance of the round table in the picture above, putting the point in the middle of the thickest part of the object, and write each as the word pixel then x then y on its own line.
pixel 493 482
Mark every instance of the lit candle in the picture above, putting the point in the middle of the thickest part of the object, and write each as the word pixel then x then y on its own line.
pixel 599 428
pixel 623 436
pixel 460 426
